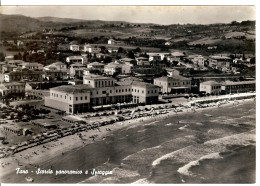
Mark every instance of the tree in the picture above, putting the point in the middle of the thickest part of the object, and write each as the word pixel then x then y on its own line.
pixel 120 50
pixel 131 54
pixel 2 56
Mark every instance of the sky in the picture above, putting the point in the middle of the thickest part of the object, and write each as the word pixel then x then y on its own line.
pixel 141 14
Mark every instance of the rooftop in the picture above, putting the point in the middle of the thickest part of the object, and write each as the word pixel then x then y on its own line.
pixel 238 83
pixel 166 78
pixel 210 83
pixel 97 77
pixel 71 89
pixel 96 63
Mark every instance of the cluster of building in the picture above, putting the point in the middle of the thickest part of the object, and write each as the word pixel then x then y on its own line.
pixel 100 90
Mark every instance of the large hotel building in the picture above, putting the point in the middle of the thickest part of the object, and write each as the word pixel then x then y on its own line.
pixel 99 90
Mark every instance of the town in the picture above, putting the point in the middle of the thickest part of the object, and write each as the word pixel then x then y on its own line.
pixel 61 80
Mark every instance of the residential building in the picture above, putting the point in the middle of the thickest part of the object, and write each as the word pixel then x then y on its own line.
pixel 56 74
pixel 13 87
pixel 159 56
pixel 32 66
pixel 117 67
pixel 91 49
pixel 210 87
pixel 25 75
pixel 74 47
pixel 8 68
pixel 96 66
pixel 219 62
pixel 76 59
pixel 199 61
pixel 76 70
pixel 142 61
pixel 111 42
pixel 172 72
pixel 174 84
pixel 56 66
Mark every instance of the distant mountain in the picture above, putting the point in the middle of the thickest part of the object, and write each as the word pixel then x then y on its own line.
pixel 59 20
pixel 18 23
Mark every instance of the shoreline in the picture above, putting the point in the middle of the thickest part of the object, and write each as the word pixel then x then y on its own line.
pixel 73 142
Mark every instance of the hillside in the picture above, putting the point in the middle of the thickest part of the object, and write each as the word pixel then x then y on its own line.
pixel 13 23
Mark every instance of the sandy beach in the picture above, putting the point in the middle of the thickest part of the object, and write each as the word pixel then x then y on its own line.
pixel 45 153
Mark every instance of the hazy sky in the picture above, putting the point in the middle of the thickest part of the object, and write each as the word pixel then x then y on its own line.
pixel 141 14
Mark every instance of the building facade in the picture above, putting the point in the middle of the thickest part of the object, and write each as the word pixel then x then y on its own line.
pixel 99 90
pixel 174 84
pixel 210 87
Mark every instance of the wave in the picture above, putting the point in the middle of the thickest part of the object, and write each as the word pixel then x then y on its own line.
pixel 184 170
pixel 166 156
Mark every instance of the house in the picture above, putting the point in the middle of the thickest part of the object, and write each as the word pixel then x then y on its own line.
pixel 199 61
pixel 210 87
pixel 76 70
pixel 56 66
pixel 111 42
pixel 76 59
pixel 32 66
pixel 91 49
pixel 174 84
pixel 168 43
pixel 172 72
pixel 117 67
pixel 74 47
pixel 112 50
pixel 158 56
pixel 24 75
pixel 143 61
pixel 8 68
pixel 96 66
pixel 15 62
pixel 219 61
pixel 56 74
pixel 128 61
pixel 12 88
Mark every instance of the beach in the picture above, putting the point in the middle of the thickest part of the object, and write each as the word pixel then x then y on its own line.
pixel 169 148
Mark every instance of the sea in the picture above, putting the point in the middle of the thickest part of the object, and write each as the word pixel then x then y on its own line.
pixel 209 146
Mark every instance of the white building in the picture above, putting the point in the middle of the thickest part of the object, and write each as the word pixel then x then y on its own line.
pixel 74 47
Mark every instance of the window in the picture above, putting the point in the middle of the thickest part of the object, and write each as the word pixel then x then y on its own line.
pixel 81 98
pixel 155 91
pixel 76 98
pixel 126 89
pixel 110 91
pixel 129 90
pixel 97 92
pixel 86 97
pixel 65 97
pixel 70 98
pixel 135 90
pixel 104 92
pixel 122 90
pixel 148 91
pixel 89 82
pixel 105 83
pixel 102 83
pixel 116 90
pixel 138 90
pixel 151 91
pixel 142 91
pixel 119 90
pixel 60 96
pixel 91 93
